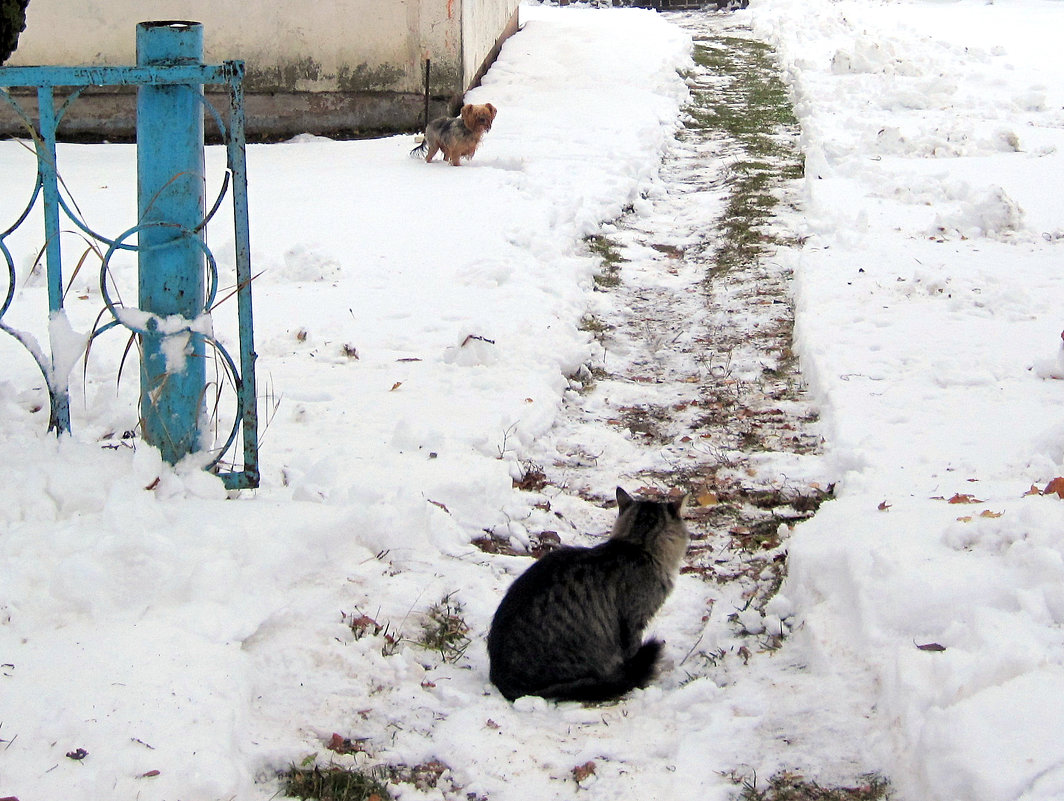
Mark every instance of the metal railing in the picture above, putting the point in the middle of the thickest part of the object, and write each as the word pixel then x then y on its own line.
pixel 177 273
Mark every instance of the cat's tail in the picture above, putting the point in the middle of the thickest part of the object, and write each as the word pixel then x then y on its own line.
pixel 642 667
pixel 637 672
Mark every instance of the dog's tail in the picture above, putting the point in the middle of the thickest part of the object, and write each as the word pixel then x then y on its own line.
pixel 420 151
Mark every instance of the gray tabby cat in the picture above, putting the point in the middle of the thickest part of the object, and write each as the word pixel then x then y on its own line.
pixel 570 627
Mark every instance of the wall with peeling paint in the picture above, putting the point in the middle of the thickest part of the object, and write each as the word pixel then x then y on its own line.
pixel 339 49
pixel 288 46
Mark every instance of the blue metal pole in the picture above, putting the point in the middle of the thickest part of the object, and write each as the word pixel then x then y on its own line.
pixel 59 414
pixel 170 196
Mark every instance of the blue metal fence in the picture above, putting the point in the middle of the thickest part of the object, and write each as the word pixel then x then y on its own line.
pixel 178 274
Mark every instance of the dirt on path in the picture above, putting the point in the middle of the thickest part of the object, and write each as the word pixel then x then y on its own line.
pixel 695 388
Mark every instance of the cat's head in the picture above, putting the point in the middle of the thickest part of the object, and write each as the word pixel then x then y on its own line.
pixel 656 525
pixel 677 507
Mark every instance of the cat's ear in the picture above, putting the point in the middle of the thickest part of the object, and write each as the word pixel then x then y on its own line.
pixel 624 500
pixel 678 507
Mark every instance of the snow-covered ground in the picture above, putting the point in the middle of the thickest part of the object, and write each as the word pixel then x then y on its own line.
pixel 930 309
pixel 417 323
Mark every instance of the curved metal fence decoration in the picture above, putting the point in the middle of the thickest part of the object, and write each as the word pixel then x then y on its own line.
pixel 177 272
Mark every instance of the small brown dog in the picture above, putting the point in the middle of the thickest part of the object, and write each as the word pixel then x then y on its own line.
pixel 457 136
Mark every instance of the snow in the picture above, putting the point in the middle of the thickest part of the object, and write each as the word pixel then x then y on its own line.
pixel 928 294
pixel 416 325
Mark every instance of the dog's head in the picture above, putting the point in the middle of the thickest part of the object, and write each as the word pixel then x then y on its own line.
pixel 478 119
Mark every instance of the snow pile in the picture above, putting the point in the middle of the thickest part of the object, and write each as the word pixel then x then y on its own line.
pixel 928 291
pixel 415 325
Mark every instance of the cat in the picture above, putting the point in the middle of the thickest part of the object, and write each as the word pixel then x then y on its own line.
pixel 570 627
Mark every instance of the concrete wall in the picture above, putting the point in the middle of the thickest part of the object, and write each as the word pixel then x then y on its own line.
pixel 485 25
pixel 328 66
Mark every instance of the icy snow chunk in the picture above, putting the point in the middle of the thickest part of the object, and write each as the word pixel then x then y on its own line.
pixel 993 534
pixel 780 605
pixel 773 625
pixel 308 263
pixel 67 347
pixel 531 703
pixel 1052 367
pixel 472 351
pixel 306 138
pixel 865 56
pixel 752 621
pixel 176 349
pixel 990 213
pixel 1032 100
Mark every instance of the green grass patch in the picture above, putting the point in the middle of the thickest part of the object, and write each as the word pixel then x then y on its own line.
pixel 789 786
pixel 751 101
pixel 609 253
pixel 334 783
pixel 445 630
pixel 593 324
pixel 747 104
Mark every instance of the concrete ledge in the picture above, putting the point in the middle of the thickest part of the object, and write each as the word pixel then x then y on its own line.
pixel 110 114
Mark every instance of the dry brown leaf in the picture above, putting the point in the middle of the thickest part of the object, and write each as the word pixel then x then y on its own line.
pixel 931 646
pixel 1032 491
pixel 396 386
pixel 988 513
pixel 344 745
pixel 883 506
pixel 962 498
pixel 1055 487
pixel 707 499
pixel 582 772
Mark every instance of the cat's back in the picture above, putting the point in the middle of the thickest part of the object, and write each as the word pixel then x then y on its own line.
pixel 571 575
pixel 559 619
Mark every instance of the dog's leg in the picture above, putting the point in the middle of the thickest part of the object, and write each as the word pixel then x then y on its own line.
pixel 432 152
pixel 451 154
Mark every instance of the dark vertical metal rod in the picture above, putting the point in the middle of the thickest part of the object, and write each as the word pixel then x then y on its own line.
pixel 428 64
pixel 247 399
